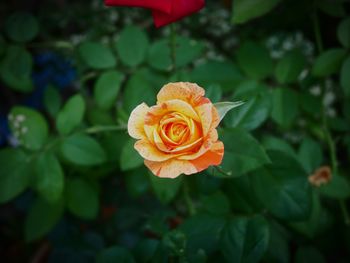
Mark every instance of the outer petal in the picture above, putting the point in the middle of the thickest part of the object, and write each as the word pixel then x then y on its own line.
pixel 171 168
pixel 149 152
pixel 216 118
pixel 212 157
pixel 180 90
pixel 136 121
pixel 205 114
pixel 157 112
pixel 180 9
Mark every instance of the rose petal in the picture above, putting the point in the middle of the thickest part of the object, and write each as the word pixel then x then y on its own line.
pixel 156 112
pixel 205 114
pixel 171 168
pixel 180 9
pixel 212 157
pixel 206 146
pixel 180 90
pixel 149 152
pixel 136 121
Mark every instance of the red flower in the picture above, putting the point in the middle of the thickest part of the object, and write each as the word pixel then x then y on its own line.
pixel 163 11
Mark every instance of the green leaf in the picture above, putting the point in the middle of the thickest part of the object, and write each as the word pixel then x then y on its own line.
pixel 216 203
pixel 132 46
pixel 114 254
pixel 29 126
pixel 82 198
pixel 224 107
pixel 278 250
pixel 345 76
pixel 310 155
pixel 245 239
pixel 14 173
pixel 165 188
pixel 130 158
pixel 284 106
pixel 254 59
pixel 52 101
pixel 96 55
pixel 16 69
pixel 203 232
pixel 214 93
pixel 290 66
pixel 283 187
pixel 83 150
pixel 245 10
pixel 21 27
pixel 42 217
pixel 338 187
pixel 107 88
pixel 225 73
pixel 274 143
pixel 159 55
pixel 328 62
pixel 318 221
pixel 132 93
pixel 71 115
pixel 49 177
pixel 242 152
pixel 252 114
pixel 343 32
pixel 187 50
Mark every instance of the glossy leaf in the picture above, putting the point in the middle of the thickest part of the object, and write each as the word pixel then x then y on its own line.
pixel 290 66
pixel 71 115
pixel 245 10
pixel 254 59
pixel 49 177
pixel 96 56
pixel 328 62
pixel 245 239
pixel 242 152
pixel 107 88
pixel 29 127
pixel 132 46
pixel 83 150
pixel 224 107
pixel 14 173
pixel 283 187
pixel 22 27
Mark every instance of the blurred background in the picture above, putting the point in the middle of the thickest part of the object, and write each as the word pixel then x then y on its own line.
pixel 73 189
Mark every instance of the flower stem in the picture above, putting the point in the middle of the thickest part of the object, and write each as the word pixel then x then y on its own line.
pixel 98 129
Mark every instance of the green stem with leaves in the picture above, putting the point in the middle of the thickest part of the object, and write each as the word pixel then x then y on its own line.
pixel 328 135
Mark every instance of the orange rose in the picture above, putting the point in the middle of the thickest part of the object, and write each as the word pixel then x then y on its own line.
pixel 178 135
